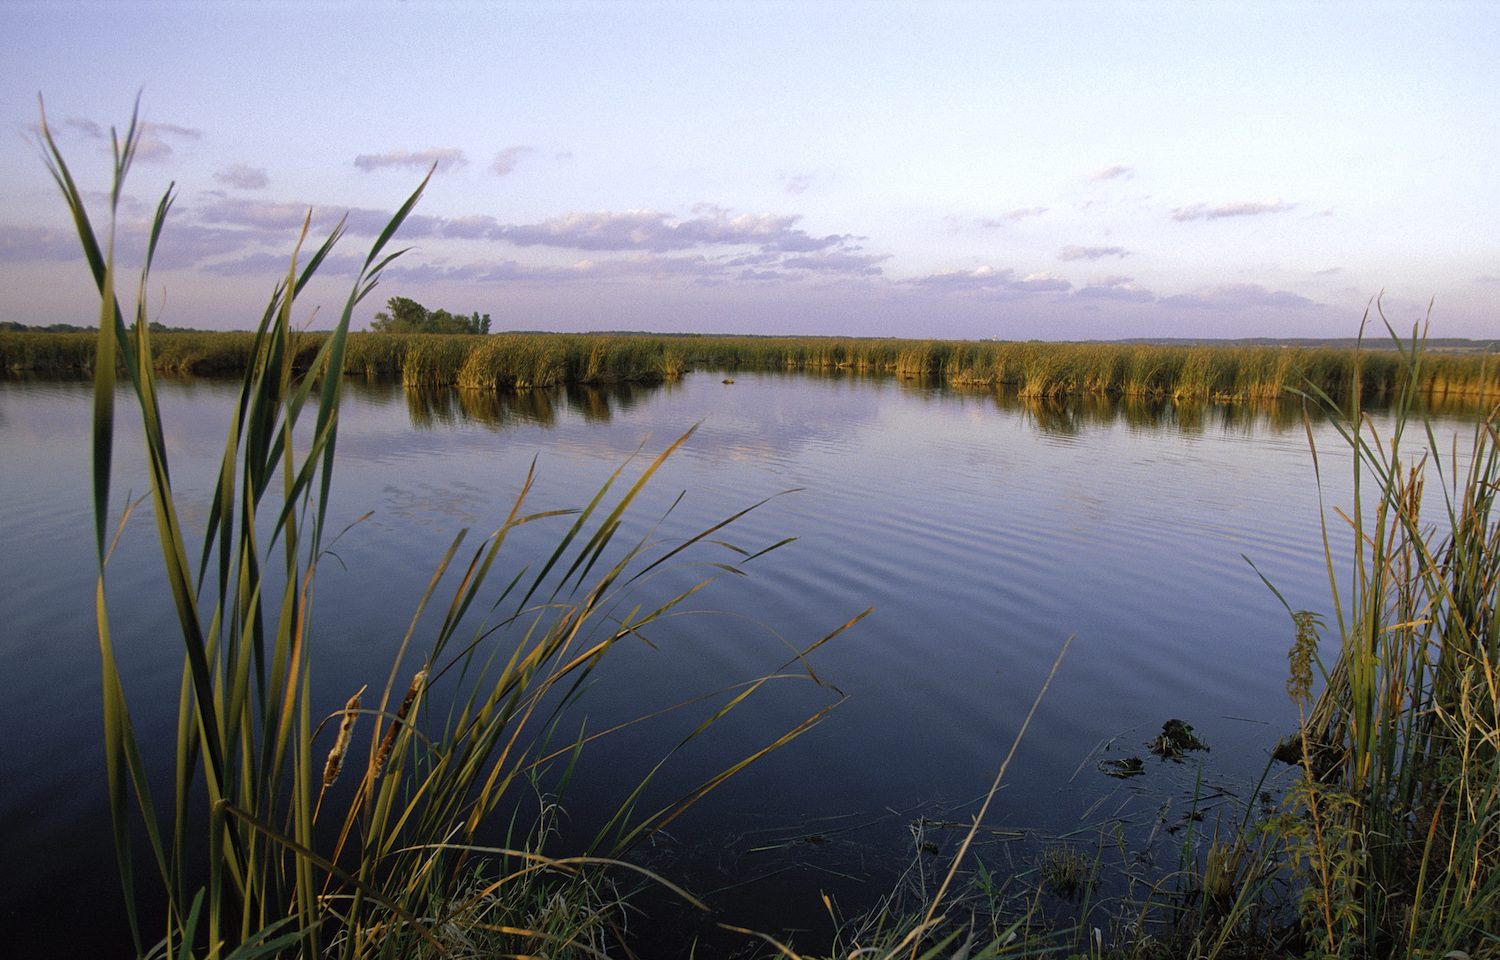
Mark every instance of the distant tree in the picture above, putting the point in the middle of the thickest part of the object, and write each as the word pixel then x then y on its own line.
pixel 404 315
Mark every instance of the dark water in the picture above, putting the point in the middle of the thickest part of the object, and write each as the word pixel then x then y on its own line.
pixel 984 533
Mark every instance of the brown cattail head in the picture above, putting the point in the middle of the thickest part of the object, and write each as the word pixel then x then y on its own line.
pixel 335 761
pixel 418 683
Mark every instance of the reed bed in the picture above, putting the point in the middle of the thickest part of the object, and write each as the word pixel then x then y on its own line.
pixel 297 826
pixel 1397 829
pixel 1043 369
pixel 1033 369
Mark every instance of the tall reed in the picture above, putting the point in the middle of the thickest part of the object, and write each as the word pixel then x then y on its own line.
pixel 1397 842
pixel 357 831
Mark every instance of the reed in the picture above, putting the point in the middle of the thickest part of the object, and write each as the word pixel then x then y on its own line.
pixel 1033 369
pixel 292 829
pixel 1397 836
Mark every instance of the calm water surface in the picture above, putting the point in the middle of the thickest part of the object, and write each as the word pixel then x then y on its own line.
pixel 983 532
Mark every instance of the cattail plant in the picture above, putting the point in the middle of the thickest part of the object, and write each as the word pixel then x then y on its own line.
pixel 260 852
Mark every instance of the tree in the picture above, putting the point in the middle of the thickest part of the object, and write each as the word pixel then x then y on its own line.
pixel 404 315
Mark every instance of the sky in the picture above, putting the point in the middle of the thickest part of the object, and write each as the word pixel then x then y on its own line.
pixel 1012 170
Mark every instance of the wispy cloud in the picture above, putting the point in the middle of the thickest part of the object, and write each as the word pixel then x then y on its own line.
pixel 1024 213
pixel 153 140
pixel 1239 296
pixel 86 127
pixel 837 261
pixel 1118 171
pixel 1239 208
pixel 798 183
pixel 243 177
pixel 1020 213
pixel 153 143
pixel 446 158
pixel 508 159
pixel 652 230
pixel 1091 253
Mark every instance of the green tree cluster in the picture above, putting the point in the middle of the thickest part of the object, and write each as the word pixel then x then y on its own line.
pixel 403 315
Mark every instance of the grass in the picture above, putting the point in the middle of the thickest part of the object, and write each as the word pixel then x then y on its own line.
pixel 1398 829
pixel 1035 370
pixel 365 826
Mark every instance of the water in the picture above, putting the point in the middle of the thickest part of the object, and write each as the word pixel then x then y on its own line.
pixel 983 532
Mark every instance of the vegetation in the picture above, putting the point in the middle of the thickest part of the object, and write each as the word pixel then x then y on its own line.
pixel 1387 843
pixel 289 830
pixel 403 315
pixel 1033 369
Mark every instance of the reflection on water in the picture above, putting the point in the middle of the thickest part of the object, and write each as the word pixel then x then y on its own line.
pixel 433 408
pixel 983 528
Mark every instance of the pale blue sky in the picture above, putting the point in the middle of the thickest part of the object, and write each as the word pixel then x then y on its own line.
pixel 1086 170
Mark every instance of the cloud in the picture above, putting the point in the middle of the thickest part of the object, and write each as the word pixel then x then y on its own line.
pixel 25 243
pixel 446 158
pixel 1239 296
pixel 834 261
pixel 1024 213
pixel 268 263
pixel 798 183
pixel 88 128
pixel 1487 278
pixel 152 139
pixel 243 177
pixel 1115 288
pixel 1239 208
pixel 265 215
pixel 508 159
pixel 992 281
pixel 1091 253
pixel 1020 213
pixel 1116 172
pixel 474 227
pixel 659 232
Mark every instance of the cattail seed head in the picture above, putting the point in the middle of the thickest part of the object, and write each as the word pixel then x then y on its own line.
pixel 418 684
pixel 335 761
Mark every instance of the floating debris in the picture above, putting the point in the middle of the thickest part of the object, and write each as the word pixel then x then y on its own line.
pixel 727 380
pixel 1123 769
pixel 1175 739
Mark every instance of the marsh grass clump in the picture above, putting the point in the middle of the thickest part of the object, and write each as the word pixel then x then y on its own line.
pixel 1065 871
